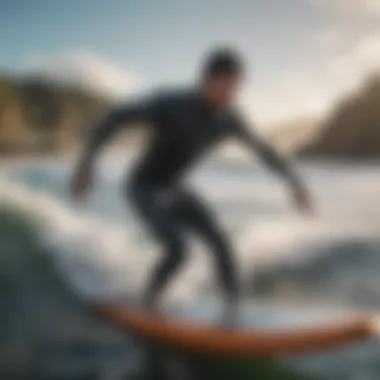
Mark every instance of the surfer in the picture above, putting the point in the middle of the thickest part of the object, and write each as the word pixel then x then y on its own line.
pixel 184 125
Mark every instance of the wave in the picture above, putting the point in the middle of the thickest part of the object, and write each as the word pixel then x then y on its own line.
pixel 341 273
pixel 99 260
pixel 278 253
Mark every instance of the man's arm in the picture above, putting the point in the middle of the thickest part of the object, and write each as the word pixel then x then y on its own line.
pixel 111 123
pixel 278 163
pixel 82 177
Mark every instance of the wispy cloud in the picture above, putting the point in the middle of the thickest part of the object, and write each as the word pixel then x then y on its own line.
pixel 314 89
pixel 349 52
pixel 85 70
pixel 358 7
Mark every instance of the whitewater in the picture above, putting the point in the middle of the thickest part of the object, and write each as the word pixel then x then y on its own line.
pixel 328 261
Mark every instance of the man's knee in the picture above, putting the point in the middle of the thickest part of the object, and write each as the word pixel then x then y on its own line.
pixel 220 244
pixel 175 248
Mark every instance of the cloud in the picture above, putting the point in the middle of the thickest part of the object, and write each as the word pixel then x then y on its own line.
pixel 296 94
pixel 85 70
pixel 372 6
pixel 348 52
pixel 357 7
pixel 313 90
pixel 333 37
pixel 358 60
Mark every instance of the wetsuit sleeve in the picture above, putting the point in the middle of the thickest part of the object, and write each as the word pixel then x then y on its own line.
pixel 276 161
pixel 138 111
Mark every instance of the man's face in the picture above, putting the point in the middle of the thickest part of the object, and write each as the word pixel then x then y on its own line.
pixel 221 90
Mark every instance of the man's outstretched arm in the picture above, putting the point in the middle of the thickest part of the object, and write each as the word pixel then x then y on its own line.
pixel 278 163
pixel 111 123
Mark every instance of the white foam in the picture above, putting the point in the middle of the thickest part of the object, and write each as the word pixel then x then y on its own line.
pixel 98 259
pixel 105 259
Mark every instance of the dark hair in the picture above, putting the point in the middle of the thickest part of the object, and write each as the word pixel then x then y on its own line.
pixel 222 61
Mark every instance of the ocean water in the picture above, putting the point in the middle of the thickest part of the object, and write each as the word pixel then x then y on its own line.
pixel 331 259
pixel 253 206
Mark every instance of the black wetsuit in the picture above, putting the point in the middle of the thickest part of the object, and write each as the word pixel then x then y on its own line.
pixel 183 128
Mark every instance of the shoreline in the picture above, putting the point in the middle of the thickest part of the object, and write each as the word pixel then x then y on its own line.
pixel 12 160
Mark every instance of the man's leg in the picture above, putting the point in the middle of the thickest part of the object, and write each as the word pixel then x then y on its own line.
pixel 194 213
pixel 164 271
pixel 157 215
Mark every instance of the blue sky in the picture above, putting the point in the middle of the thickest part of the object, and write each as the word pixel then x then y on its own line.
pixel 163 41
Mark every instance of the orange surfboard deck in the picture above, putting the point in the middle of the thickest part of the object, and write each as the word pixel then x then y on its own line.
pixel 214 340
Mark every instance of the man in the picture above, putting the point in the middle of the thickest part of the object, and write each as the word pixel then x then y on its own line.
pixel 184 125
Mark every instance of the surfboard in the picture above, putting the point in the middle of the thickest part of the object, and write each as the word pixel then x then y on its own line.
pixel 256 337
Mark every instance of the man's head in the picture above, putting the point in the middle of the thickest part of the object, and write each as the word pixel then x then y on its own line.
pixel 221 76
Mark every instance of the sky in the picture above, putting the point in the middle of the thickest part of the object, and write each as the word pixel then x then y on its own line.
pixel 302 55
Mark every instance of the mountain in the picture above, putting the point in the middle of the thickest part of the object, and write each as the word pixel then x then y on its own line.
pixel 41 116
pixel 352 130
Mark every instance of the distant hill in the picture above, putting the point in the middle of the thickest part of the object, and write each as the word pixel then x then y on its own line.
pixel 352 130
pixel 39 116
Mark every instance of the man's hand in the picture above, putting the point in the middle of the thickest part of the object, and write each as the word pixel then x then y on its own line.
pixel 81 181
pixel 302 199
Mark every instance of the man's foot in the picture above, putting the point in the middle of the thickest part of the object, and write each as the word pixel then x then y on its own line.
pixel 231 315
pixel 149 305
